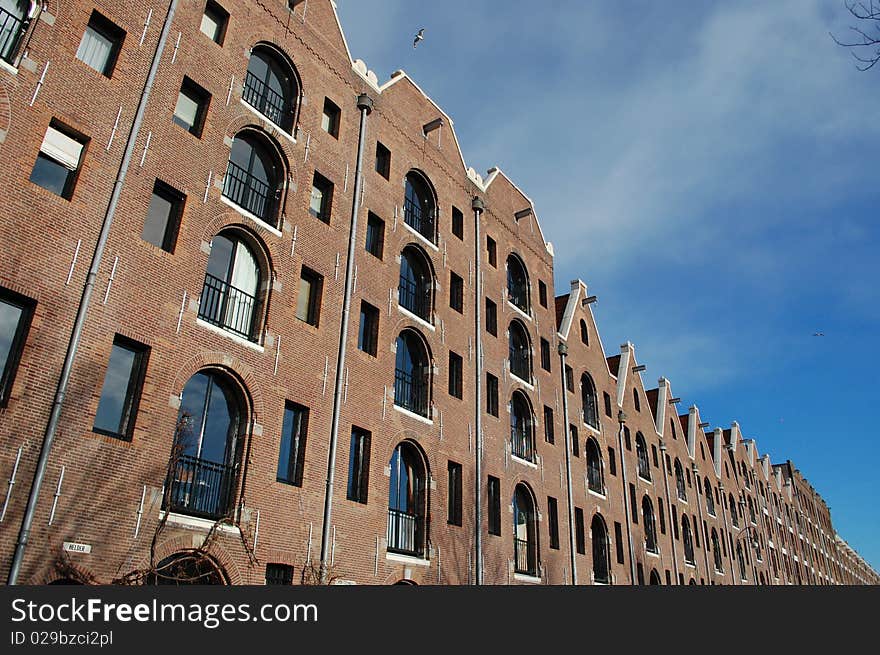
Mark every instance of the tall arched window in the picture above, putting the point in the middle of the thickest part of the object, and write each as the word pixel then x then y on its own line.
pixel 752 512
pixel 520 349
pixel 650 525
pixel 642 455
pixel 599 539
pixel 271 86
pixel 415 291
pixel 525 531
pixel 655 577
pixel 710 501
pixel 716 551
pixel 585 335
pixel 13 24
pixel 412 375
pixel 419 206
pixel 741 561
pixel 254 176
pixel 206 453
pixel 522 429
pixel 589 403
pixel 407 501
pixel 594 466
pixel 517 283
pixel 231 292
pixel 688 539
pixel 679 481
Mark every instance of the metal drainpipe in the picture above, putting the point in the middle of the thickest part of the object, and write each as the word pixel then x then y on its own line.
pixel 696 472
pixel 669 509
pixel 365 106
pixel 563 353
pixel 621 419
pixel 478 207
pixel 79 323
pixel 726 529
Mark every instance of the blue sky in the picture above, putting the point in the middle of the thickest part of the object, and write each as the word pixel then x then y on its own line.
pixel 705 167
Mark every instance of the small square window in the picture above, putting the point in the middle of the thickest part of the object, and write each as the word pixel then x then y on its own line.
pixel 368 335
pixel 120 395
pixel 16 312
pixel 383 160
pixel 454 504
pixel 100 44
pixel 163 216
pixel 359 465
pixel 330 118
pixel 58 162
pixel 308 304
pixel 545 354
pixel 279 574
pixel 491 394
pixel 491 318
pixel 456 370
pixel 191 108
pixel 214 22
pixel 542 293
pixel 321 199
pixel 375 235
pixel 456 292
pixel 492 251
pixel 457 223
pixel 548 425
pixel 291 454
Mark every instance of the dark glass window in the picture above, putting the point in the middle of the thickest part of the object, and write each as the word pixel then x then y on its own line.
pixel 375 235
pixel 59 160
pixel 192 107
pixel 553 514
pixel 163 216
pixel 662 515
pixel 492 251
pixel 456 292
pixel 491 394
pixel 271 87
pixel 368 333
pixel 253 177
pixel 545 354
pixel 279 574
pixel 525 537
pixel 14 21
pixel 383 160
pixel 522 435
pixel 321 200
pixel 542 293
pixel 520 351
pixel 585 335
pixel 456 366
pixel 232 282
pixel 612 462
pixel 292 453
pixel 575 446
pixel 650 525
pixel 214 22
pixel 16 312
pixel 618 541
pixel 599 539
pixel 594 466
pixel 100 44
pixel 419 208
pixel 548 425
pixel 636 402
pixel 415 287
pixel 454 494
pixel 633 503
pixel 517 284
pixel 579 534
pixel 607 399
pixel 412 374
pixel 588 402
pixel 308 303
pixel 457 223
pixel 358 465
pixel 330 118
pixel 120 395
pixel 569 378
pixel 491 318
pixel 644 465
pixel 494 495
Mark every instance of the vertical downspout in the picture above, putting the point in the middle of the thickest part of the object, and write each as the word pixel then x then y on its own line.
pixel 365 106
pixel 696 472
pixel 478 207
pixel 621 419
pixel 669 509
pixel 79 323
pixel 563 353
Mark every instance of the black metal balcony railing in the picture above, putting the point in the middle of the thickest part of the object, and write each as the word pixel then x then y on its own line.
pixel 415 297
pixel 521 443
pixel 420 221
pixel 249 192
pixel 267 101
pixel 524 552
pixel 682 494
pixel 517 294
pixel 199 487
pixel 594 477
pixel 644 466
pixel 410 392
pixel 519 362
pixel 405 532
pixel 11 30
pixel 228 307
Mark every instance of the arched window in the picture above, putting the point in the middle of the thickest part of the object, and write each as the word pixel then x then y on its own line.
pixel 271 86
pixel 585 335
pixel 419 206
pixel 207 447
pixel 13 25
pixel 185 568
pixel 733 514
pixel 650 525
pixel 679 481
pixel 710 502
pixel 655 577
pixel 520 349
pixel 588 401
pixel 407 501
pixel 752 512
pixel 599 539
pixel 642 455
pixel 254 176
pixel 716 551
pixel 594 466
pixel 741 561
pixel 415 290
pixel 517 283
pixel 688 539
pixel 636 402
pixel 412 375
pixel 522 430
pixel 525 531
pixel 231 292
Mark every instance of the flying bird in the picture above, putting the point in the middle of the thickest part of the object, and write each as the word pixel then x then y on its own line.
pixel 419 37
pixel 818 334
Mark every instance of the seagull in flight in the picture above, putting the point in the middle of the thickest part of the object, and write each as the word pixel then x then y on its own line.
pixel 419 37
pixel 818 334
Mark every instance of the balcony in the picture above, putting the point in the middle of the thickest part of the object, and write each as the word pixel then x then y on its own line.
pixel 520 362
pixel 521 444
pixel 524 552
pixel 12 28
pixel 415 297
pixel 418 220
pixel 227 307
pixel 199 488
pixel 267 101
pixel 405 533
pixel 249 193
pixel 410 392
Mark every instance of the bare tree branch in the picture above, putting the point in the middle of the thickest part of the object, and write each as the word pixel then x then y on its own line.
pixel 866 49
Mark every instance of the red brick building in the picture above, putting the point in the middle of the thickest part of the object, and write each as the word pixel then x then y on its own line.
pixel 207 212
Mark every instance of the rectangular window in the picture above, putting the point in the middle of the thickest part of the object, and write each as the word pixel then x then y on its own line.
pixel 626 440
pixel 575 446
pixel 545 354
pixel 553 521
pixel 456 366
pixel 321 201
pixel 457 223
pixel 607 398
pixel 120 395
pixel 674 523
pixel 491 394
pixel 291 454
pixel 542 293
pixel 548 425
pixel 633 503
pixel 58 161
pixel 618 541
pixel 662 515
pixel 16 312
pixel 494 495
pixel 654 455
pixel 368 334
pixel 492 251
pixel 456 292
pixel 279 574
pixel 453 505
pixel 192 107
pixel 330 118
pixel 383 161
pixel 375 235
pixel 163 216
pixel 214 22
pixel 569 379
pixel 100 44
pixel 491 318
pixel 358 465
pixel 668 578
pixel 612 461
pixel 579 534
pixel 308 303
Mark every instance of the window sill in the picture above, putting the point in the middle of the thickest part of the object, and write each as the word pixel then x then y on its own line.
pixel 239 340
pixel 194 522
pixel 524 461
pixel 418 417
pixel 284 133
pixel 519 311
pixel 526 384
pixel 421 237
pixel 407 559
pixel 597 494
pixel 259 221
pixel 9 68
pixel 652 553
pixel 646 480
pixel 530 579
pixel 596 431
pixel 416 318
pixel 690 566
